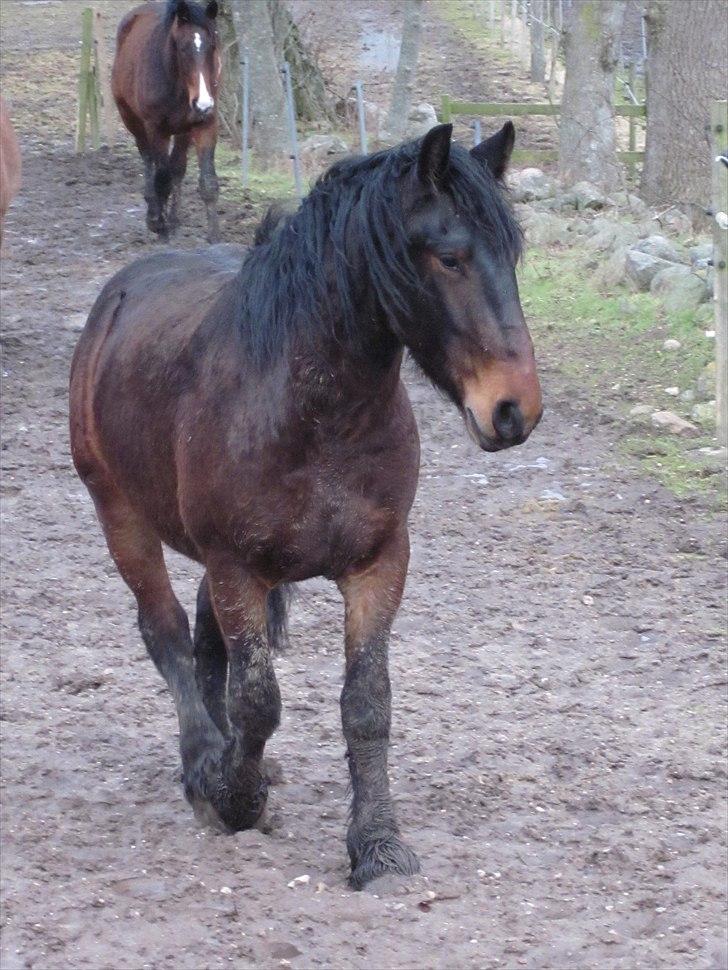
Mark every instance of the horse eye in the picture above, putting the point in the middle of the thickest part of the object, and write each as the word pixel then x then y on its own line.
pixel 450 262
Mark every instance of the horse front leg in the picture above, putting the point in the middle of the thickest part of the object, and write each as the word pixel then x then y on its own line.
pixel 205 140
pixel 157 184
pixel 372 597
pixel 253 700
pixel 177 167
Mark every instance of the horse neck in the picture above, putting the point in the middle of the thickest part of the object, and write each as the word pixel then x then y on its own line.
pixel 163 49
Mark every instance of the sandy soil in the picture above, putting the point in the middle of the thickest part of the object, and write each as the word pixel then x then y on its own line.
pixel 558 753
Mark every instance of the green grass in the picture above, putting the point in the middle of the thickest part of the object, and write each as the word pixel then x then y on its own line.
pixel 611 347
pixel 473 28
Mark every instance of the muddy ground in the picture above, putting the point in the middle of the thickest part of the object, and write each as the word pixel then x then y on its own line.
pixel 558 749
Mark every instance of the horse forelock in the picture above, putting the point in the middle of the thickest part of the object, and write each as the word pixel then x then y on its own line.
pixel 195 14
pixel 314 270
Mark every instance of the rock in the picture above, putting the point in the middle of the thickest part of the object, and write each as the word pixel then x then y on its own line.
pixel 584 195
pixel 705 384
pixel 530 184
pixel 671 344
pixel 701 253
pixel 545 228
pixel 687 395
pixel 641 268
pixel 672 423
pixel 676 222
pixel 704 413
pixel 639 410
pixel 611 272
pixel 320 150
pixel 420 118
pixel 609 234
pixel 679 288
pixel 76 322
pixel 627 200
pixel 672 391
pixel 661 248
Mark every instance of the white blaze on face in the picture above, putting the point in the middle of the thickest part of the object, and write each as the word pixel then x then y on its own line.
pixel 198 42
pixel 205 101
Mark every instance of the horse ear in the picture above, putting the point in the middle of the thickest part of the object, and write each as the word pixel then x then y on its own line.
pixel 434 155
pixel 495 151
pixel 211 9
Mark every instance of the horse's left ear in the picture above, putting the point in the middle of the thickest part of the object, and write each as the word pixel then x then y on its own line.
pixel 211 9
pixel 434 155
pixel 495 151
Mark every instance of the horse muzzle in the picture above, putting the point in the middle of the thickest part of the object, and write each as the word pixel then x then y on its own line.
pixel 502 405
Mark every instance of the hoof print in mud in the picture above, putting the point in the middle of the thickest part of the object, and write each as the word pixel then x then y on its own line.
pixel 383 857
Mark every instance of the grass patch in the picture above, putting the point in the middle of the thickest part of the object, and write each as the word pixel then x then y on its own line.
pixel 474 28
pixel 611 346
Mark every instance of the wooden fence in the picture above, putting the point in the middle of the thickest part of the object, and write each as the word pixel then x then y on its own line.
pixel 515 109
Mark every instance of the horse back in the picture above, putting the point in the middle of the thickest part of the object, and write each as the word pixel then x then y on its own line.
pixel 131 365
pixel 132 38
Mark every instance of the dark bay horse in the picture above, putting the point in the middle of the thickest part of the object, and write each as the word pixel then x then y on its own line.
pixel 164 81
pixel 246 409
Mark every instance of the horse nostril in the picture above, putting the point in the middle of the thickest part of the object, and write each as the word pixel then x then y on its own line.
pixel 508 420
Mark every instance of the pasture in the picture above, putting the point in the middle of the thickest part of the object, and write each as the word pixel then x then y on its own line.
pixel 558 665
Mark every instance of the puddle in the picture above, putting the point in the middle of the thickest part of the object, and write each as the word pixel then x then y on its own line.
pixel 379 50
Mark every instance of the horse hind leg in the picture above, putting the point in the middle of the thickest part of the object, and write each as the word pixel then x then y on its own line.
pixel 137 553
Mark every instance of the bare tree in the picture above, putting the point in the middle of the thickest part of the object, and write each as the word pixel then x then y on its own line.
pixel 538 53
pixel 406 69
pixel 687 68
pixel 587 147
pixel 268 108
pixel 309 89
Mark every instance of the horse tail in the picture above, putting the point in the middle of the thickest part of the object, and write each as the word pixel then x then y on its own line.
pixel 277 622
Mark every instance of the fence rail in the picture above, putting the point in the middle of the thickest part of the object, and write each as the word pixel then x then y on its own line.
pixel 489 109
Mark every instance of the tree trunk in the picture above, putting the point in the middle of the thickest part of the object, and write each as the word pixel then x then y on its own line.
pixel 587 146
pixel 538 54
pixel 228 106
pixel 687 68
pixel 309 90
pixel 406 69
pixel 267 103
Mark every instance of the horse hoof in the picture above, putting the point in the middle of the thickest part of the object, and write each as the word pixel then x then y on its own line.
pixel 381 857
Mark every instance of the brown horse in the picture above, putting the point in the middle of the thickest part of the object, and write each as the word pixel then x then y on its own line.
pixel 164 81
pixel 246 409
pixel 10 164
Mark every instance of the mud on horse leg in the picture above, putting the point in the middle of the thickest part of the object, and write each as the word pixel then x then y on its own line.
pixel 253 698
pixel 157 185
pixel 211 663
pixel 177 169
pixel 209 187
pixel 372 598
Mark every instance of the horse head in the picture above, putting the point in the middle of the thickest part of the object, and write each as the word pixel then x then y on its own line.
pixel 194 38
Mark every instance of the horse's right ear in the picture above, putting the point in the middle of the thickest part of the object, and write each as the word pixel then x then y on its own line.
pixel 211 9
pixel 434 155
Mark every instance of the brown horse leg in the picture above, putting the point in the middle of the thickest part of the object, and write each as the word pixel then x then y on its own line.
pixel 253 698
pixel 157 184
pixel 137 552
pixel 178 167
pixel 372 597
pixel 205 140
pixel 211 663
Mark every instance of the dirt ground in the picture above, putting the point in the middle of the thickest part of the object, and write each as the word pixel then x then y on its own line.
pixel 558 749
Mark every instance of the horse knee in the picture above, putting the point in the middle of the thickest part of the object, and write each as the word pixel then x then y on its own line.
pixel 253 703
pixel 209 188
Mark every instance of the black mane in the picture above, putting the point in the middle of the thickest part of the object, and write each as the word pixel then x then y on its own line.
pixel 311 270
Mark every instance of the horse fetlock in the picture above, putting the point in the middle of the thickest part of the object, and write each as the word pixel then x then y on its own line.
pixel 209 188
pixel 377 856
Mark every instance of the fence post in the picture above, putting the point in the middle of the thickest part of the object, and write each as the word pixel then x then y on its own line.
pixel 84 75
pixel 719 128
pixel 445 113
pixel 362 117
pixel 291 112
pixel 101 67
pixel 245 147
